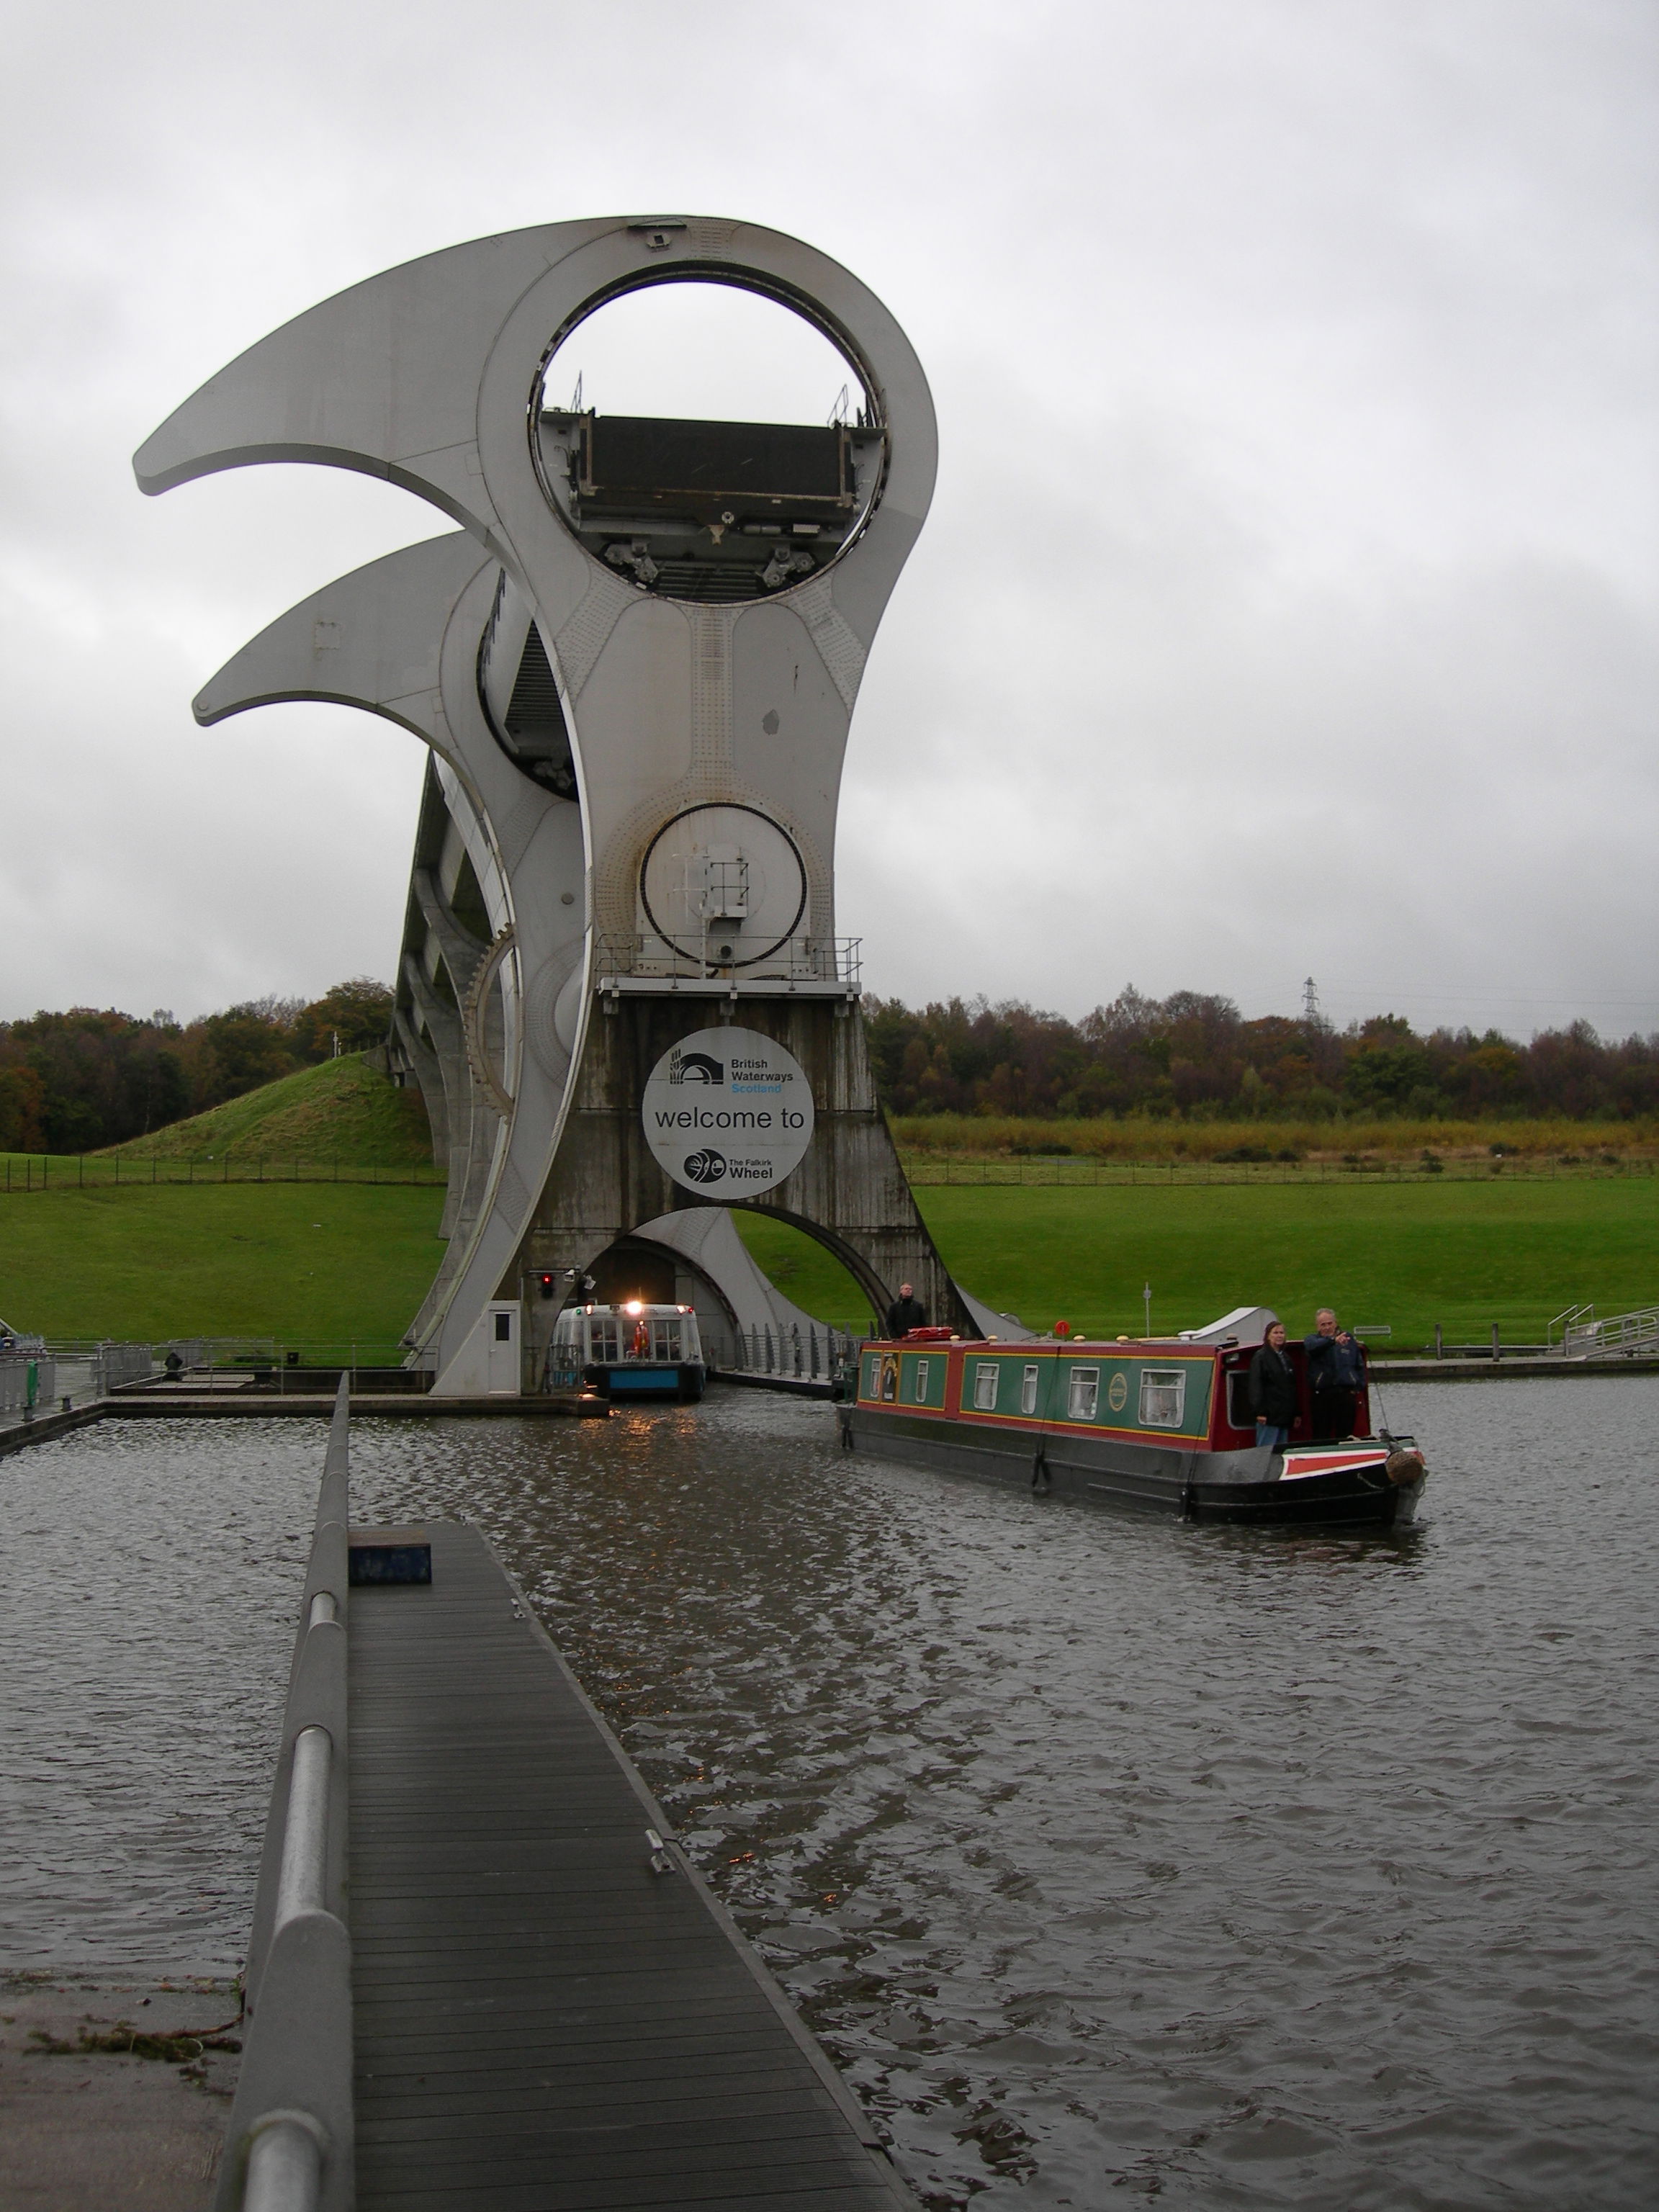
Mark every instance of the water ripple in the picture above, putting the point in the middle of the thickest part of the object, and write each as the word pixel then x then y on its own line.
pixel 1113 1861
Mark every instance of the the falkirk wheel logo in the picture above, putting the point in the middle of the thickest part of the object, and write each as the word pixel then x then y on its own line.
pixel 706 1166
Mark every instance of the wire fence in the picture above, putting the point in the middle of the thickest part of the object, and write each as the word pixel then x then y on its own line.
pixel 1048 1173
pixel 24 1172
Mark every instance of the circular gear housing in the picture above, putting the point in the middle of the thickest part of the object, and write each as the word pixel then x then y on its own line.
pixel 723 886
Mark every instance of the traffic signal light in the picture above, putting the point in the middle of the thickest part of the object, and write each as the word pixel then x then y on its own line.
pixel 545 1278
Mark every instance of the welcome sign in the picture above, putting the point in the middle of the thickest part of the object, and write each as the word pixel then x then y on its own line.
pixel 727 1110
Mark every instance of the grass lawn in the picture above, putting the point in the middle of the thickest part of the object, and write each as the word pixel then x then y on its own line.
pixel 1463 1253
pixel 338 1263
pixel 307 1263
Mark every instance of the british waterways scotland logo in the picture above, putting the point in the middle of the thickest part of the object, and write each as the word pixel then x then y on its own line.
pixel 694 1067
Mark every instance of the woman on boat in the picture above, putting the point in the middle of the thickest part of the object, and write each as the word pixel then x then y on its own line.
pixel 1271 1389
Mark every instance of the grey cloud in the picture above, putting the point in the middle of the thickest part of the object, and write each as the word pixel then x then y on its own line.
pixel 1287 602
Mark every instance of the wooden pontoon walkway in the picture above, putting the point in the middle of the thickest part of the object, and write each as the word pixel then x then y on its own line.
pixel 543 2023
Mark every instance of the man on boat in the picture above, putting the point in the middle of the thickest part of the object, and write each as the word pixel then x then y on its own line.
pixel 1270 1387
pixel 1336 1375
pixel 906 1312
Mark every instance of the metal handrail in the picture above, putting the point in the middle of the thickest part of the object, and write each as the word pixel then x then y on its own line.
pixel 812 1354
pixel 1625 1332
pixel 286 2153
pixel 1568 1319
pixel 302 1883
pixel 801 959
pixel 290 2147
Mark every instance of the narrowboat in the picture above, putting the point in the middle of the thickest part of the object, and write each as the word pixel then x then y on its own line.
pixel 1160 1425
pixel 632 1351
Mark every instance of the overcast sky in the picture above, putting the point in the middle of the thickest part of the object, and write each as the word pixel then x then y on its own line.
pixel 1287 605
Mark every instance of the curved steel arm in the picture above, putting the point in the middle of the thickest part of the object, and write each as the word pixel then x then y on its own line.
pixel 373 638
pixel 382 379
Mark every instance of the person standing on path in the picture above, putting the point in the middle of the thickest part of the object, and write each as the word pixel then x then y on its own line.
pixel 906 1312
pixel 1336 1375
pixel 1271 1389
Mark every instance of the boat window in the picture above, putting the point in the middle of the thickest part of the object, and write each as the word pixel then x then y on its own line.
pixel 889 1370
pixel 985 1385
pixel 1163 1397
pixel 1239 1415
pixel 1028 1390
pixel 922 1382
pixel 1084 1394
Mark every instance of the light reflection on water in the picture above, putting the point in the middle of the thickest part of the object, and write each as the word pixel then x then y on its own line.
pixel 1111 1859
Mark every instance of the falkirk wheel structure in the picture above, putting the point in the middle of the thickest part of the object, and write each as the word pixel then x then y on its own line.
pixel 634 663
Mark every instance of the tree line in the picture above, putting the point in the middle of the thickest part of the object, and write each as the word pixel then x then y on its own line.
pixel 1193 1055
pixel 75 1082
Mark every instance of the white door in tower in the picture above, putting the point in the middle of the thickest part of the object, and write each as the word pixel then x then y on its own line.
pixel 503 1326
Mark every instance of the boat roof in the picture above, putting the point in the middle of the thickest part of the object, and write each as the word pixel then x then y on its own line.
pixel 1246 1326
pixel 635 1309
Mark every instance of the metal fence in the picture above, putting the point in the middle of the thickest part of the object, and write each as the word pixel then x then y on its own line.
pixel 809 1355
pixel 796 959
pixel 268 1363
pixel 28 1380
pixel 22 1172
pixel 1055 1172
pixel 64 1373
pixel 1627 1333
pixel 290 2145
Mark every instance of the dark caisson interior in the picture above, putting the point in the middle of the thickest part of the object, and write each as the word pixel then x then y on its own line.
pixel 710 510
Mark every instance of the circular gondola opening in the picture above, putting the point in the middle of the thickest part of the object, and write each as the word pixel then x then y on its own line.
pixel 707 442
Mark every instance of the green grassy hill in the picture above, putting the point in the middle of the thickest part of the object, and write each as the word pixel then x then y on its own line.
pixel 341 1109
pixel 312 1263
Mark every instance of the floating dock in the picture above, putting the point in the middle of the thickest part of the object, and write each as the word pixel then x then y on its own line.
pixel 539 2005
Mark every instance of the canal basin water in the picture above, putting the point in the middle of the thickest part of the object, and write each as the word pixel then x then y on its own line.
pixel 1113 1860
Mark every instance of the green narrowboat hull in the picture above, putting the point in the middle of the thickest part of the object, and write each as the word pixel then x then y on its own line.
pixel 1187 1486
pixel 1081 1422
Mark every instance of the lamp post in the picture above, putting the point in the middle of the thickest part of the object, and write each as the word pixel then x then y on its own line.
pixel 1146 1296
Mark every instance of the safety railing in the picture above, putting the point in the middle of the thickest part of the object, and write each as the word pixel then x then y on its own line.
pixel 727 960
pixel 290 2147
pixel 28 1380
pixel 207 1364
pixel 116 1364
pixel 795 1354
pixel 1569 1317
pixel 1618 1332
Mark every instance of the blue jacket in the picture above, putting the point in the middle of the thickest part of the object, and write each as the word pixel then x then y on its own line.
pixel 1333 1366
